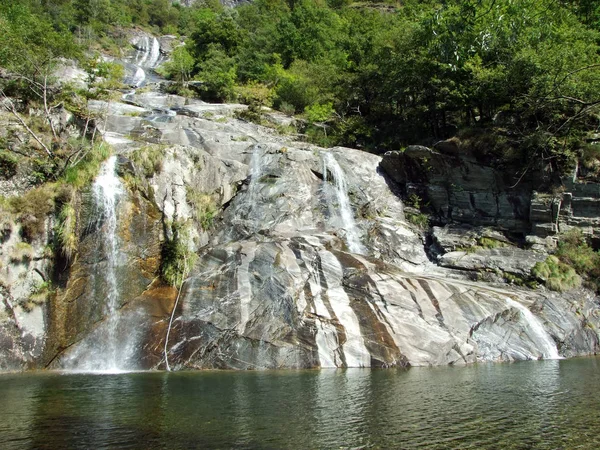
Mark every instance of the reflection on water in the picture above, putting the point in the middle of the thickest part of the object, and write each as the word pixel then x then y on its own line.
pixel 539 404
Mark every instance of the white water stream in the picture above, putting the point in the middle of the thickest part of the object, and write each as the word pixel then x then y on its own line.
pixel 344 211
pixel 109 348
pixel 148 58
pixel 107 189
pixel 538 334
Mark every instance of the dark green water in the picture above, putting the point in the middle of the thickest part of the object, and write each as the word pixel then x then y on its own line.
pixel 545 404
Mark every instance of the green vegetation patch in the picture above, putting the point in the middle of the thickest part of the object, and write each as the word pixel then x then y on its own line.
pixel 83 172
pixel 573 262
pixel 557 275
pixel 148 160
pixel 176 257
pixel 204 207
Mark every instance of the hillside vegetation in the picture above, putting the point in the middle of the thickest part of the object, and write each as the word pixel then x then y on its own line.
pixel 369 75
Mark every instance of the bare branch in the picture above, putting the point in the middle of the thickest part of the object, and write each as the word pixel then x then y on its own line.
pixel 10 107
pixel 581 69
pixel 45 97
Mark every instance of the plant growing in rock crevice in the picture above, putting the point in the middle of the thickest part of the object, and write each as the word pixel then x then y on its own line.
pixel 66 231
pixel 148 160
pixel 176 256
pixel 204 207
pixel 38 296
pixel 32 210
pixel 556 275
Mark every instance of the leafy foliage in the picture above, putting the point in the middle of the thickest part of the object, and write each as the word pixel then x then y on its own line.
pixel 176 258
pixel 524 71
pixel 573 261
pixel 557 275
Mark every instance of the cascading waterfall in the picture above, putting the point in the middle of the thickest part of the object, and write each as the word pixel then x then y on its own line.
pixel 346 216
pixel 154 54
pixel 140 58
pixel 107 189
pixel 110 347
pixel 147 58
pixel 139 77
pixel 538 333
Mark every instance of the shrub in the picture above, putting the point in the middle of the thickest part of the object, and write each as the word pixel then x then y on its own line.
pixel 287 108
pixel 420 220
pixel 32 209
pixel 574 250
pixel 204 208
pixel 256 96
pixel 148 160
pixel 557 275
pixel 176 257
pixel 8 164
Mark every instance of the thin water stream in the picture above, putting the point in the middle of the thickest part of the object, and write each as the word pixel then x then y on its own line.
pixel 111 346
pixel 344 210
pixel 537 332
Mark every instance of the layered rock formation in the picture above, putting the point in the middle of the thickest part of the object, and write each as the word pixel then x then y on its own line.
pixel 462 188
pixel 305 258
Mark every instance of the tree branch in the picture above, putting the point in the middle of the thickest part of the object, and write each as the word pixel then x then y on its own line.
pixel 10 107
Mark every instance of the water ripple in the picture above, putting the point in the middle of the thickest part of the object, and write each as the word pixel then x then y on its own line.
pixel 541 404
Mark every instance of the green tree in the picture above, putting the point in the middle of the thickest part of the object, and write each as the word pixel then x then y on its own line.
pixel 218 75
pixel 180 66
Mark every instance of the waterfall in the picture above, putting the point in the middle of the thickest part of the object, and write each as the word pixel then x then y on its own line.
pixel 110 347
pixel 139 77
pixel 107 189
pixel 154 54
pixel 540 335
pixel 346 216
pixel 148 56
pixel 141 58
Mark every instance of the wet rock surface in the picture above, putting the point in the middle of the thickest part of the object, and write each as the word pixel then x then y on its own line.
pixel 309 260
pixel 302 302
pixel 276 285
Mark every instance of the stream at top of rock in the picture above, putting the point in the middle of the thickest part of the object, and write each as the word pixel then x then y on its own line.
pixel 534 404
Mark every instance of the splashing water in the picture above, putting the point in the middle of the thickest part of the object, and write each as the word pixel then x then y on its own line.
pixel 139 77
pixel 539 335
pixel 331 166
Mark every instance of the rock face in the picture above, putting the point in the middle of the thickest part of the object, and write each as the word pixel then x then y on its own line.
pixel 461 189
pixel 25 270
pixel 78 309
pixel 305 258
pixel 303 302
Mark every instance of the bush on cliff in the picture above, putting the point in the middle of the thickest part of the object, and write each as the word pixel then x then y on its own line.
pixel 573 262
pixel 556 275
